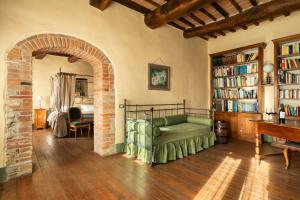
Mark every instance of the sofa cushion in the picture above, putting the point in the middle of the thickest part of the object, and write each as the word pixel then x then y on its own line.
pixel 159 122
pixel 176 119
pixel 200 120
pixel 181 131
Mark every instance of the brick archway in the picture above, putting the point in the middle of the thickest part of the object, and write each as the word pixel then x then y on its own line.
pixel 18 97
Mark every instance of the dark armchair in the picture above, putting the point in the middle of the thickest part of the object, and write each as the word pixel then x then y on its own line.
pixel 76 123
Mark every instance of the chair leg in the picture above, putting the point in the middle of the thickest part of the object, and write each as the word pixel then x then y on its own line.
pixel 76 134
pixel 89 130
pixel 286 157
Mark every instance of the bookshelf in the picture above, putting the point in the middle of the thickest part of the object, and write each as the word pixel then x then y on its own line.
pixel 236 77
pixel 287 75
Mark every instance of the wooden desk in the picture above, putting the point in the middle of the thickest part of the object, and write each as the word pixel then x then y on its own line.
pixel 289 131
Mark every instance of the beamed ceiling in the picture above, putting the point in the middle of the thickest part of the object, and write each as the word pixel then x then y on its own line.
pixel 206 18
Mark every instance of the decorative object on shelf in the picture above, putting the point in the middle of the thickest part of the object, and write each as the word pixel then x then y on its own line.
pixel 40 99
pixel 158 77
pixel 270 114
pixel 268 68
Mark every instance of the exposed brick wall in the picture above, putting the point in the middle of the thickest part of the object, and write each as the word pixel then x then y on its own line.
pixel 18 102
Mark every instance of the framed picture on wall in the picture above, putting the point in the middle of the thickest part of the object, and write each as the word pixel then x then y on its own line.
pixel 158 77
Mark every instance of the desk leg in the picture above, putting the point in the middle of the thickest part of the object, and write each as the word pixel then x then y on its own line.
pixel 257 148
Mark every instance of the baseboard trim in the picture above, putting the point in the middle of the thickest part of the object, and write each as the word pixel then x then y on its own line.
pixel 3 175
pixel 120 147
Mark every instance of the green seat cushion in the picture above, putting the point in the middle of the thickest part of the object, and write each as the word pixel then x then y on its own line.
pixel 200 120
pixel 79 123
pixel 176 119
pixel 293 144
pixel 181 131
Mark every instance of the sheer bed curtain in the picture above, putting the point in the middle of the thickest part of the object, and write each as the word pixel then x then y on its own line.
pixel 62 98
pixel 62 92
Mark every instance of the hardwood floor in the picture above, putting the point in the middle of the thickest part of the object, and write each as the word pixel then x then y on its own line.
pixel 69 169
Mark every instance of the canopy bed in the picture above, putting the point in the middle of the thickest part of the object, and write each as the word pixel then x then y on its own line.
pixel 158 133
pixel 63 89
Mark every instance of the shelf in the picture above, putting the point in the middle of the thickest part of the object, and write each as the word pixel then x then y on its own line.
pixel 238 87
pixel 289 99
pixel 289 55
pixel 287 84
pixel 237 64
pixel 218 99
pixel 294 69
pixel 247 74
pixel 238 112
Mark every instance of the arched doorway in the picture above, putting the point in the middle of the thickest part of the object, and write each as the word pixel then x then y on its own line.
pixel 18 97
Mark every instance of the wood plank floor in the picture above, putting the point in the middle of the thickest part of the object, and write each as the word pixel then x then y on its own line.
pixel 69 169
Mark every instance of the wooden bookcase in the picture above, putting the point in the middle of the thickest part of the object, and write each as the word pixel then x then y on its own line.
pixel 243 68
pixel 287 64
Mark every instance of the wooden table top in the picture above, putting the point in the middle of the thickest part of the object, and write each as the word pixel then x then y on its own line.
pixel 288 123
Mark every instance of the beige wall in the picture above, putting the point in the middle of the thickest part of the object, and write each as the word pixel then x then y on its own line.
pixel 122 35
pixel 43 69
pixel 265 32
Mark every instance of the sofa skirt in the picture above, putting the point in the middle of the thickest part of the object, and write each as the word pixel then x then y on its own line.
pixel 172 150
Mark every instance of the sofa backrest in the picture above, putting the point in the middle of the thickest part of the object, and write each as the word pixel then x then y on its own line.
pixel 200 120
pixel 175 119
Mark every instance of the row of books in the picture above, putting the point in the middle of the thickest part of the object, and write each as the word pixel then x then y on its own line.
pixel 285 77
pixel 239 81
pixel 287 49
pixel 291 110
pixel 289 94
pixel 241 57
pixel 235 70
pixel 234 106
pixel 232 59
pixel 290 63
pixel 235 94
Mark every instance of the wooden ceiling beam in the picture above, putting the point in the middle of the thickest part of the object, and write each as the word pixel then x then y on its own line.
pixel 222 33
pixel 236 5
pixel 172 10
pixel 186 22
pixel 72 59
pixel 100 4
pixel 253 2
pixel 216 6
pixel 204 11
pixel 212 36
pixel 258 13
pixel 204 38
pixel 153 3
pixel 197 19
pixel 39 55
pixel 176 26
pixel 134 6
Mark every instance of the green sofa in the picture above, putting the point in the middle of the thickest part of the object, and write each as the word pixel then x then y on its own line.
pixel 173 137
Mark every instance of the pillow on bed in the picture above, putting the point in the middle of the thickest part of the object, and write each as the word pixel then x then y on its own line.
pixel 176 119
pixel 159 122
pixel 87 108
pixel 199 120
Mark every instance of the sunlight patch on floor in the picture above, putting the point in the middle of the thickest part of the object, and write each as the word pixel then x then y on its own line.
pixel 218 183
pixel 256 182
